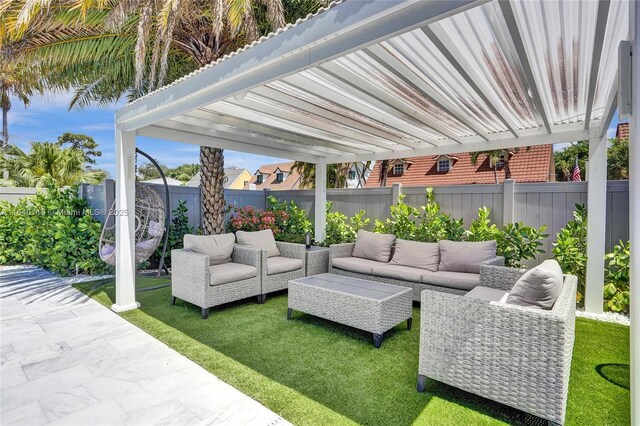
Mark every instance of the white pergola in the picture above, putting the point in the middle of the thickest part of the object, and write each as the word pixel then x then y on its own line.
pixel 374 80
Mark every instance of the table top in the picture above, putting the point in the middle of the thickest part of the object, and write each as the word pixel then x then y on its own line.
pixel 353 286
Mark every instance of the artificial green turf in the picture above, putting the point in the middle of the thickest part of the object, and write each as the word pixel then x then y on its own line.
pixel 312 371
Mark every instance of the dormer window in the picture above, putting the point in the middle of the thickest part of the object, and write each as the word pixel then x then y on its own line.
pixel 259 179
pixel 500 162
pixel 444 165
pixel 279 177
pixel 398 168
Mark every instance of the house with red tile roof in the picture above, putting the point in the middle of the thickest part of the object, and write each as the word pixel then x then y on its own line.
pixel 622 131
pixel 279 176
pixel 532 164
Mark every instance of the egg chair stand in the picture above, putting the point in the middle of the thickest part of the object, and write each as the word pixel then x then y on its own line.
pixel 151 224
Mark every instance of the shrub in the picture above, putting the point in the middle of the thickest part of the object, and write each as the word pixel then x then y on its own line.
pixel 570 248
pixel 427 224
pixel 341 228
pixel 54 230
pixel 516 241
pixel 177 229
pixel 616 288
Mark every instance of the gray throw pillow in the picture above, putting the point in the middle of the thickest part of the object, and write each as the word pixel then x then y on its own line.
pixel 218 247
pixel 417 255
pixel 262 240
pixel 370 245
pixel 539 286
pixel 465 256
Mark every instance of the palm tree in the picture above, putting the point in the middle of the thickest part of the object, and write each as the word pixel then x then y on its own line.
pixel 493 155
pixel 48 161
pixel 336 173
pixel 17 81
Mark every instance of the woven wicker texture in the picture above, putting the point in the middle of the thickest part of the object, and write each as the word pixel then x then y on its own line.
pixel 346 249
pixel 190 278
pixel 374 316
pixel 518 356
pixel 271 283
pixel 317 261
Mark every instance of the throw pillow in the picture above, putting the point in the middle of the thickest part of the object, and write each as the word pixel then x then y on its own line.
pixel 539 286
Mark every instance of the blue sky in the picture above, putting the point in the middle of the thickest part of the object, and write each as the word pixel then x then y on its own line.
pixel 47 117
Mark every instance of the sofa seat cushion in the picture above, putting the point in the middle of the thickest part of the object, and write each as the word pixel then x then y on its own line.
pixel 417 255
pixel 373 246
pixel 279 265
pixel 539 286
pixel 225 273
pixel 488 294
pixel 217 247
pixel 465 256
pixel 398 272
pixel 456 280
pixel 356 264
pixel 263 240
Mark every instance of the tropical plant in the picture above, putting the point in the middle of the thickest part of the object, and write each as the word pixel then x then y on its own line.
pixel 178 228
pixel 565 159
pixel 54 230
pixel 570 248
pixel 616 288
pixel 618 159
pixel 518 242
pixel 84 143
pixel 337 174
pixel 47 161
pixel 341 228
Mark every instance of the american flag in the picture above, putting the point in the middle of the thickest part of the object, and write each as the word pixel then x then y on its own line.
pixel 575 173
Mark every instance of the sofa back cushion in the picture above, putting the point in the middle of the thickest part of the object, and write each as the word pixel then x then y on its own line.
pixel 465 256
pixel 417 255
pixel 370 245
pixel 539 286
pixel 217 247
pixel 262 240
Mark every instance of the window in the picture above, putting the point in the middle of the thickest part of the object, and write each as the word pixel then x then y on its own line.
pixel 500 162
pixel 259 179
pixel 444 165
pixel 398 168
pixel 279 177
pixel 245 183
pixel 352 174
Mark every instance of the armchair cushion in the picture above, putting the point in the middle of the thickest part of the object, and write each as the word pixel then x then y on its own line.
pixel 417 255
pixel 457 280
pixel 217 247
pixel 355 264
pixel 539 286
pixel 279 265
pixel 465 256
pixel 373 246
pixel 263 240
pixel 230 272
pixel 488 294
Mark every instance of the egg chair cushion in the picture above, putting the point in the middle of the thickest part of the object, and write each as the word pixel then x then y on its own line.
pixel 155 229
pixel 107 250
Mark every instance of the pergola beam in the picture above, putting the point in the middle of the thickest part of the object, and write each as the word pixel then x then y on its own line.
pixel 507 11
pixel 598 42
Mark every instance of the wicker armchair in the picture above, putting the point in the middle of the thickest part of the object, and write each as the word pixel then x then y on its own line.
pixel 192 281
pixel 515 355
pixel 280 280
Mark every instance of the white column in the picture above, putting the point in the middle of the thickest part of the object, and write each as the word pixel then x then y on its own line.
pixel 320 213
pixel 634 221
pixel 125 222
pixel 597 210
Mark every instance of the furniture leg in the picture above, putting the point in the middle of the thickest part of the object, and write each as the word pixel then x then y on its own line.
pixel 173 300
pixel 377 340
pixel 422 381
pixel 409 322
pixel 289 311
pixel 205 313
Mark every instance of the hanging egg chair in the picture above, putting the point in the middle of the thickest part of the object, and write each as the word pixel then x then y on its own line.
pixel 149 227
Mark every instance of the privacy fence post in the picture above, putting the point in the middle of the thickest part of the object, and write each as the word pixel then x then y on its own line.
pixel 508 201
pixel 396 190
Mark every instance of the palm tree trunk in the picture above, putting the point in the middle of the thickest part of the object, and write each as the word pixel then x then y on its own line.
pixel 495 171
pixel 5 127
pixel 212 189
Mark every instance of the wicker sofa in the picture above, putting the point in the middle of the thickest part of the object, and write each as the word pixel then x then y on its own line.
pixel 516 355
pixel 342 262
pixel 195 280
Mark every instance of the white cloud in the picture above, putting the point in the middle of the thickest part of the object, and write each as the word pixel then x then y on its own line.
pixel 97 127
pixel 611 132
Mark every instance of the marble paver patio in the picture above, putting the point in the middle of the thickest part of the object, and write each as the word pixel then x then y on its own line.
pixel 65 359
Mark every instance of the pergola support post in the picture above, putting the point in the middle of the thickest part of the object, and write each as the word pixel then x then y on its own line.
pixel 597 210
pixel 634 219
pixel 125 222
pixel 320 213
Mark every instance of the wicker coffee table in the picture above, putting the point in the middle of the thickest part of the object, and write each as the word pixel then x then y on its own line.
pixel 367 305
